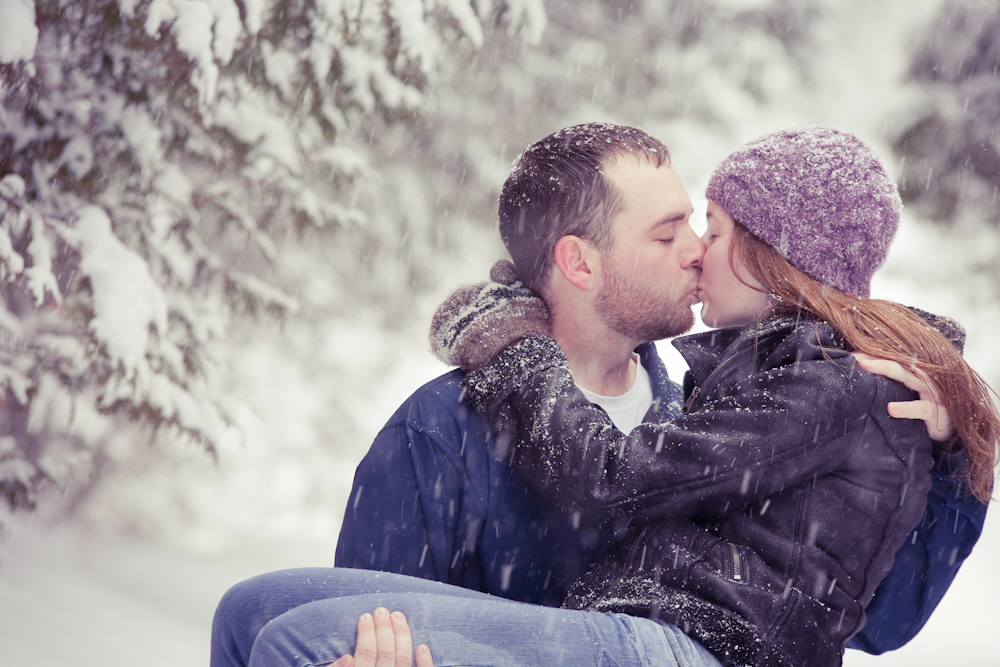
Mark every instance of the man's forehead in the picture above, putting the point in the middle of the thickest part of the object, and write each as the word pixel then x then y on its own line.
pixel 626 176
pixel 623 159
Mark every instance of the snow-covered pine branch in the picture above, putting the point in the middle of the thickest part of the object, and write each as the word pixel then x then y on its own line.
pixel 154 157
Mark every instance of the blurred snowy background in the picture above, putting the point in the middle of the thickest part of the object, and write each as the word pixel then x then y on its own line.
pixel 224 225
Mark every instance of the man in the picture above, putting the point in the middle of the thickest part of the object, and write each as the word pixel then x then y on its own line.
pixel 595 218
pixel 434 497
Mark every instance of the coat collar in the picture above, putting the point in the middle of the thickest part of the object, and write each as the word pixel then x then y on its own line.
pixel 703 351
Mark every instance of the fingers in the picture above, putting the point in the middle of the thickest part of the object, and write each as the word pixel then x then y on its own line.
pixel 403 639
pixel 940 428
pixel 914 379
pixel 929 408
pixel 385 640
pixel 424 656
pixel 892 370
pixel 365 651
pixel 912 410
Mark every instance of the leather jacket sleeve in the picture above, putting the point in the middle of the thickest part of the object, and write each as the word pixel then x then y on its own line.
pixel 749 440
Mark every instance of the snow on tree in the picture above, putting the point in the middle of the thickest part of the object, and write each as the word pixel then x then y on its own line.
pixel 155 157
pixel 18 33
pixel 670 66
pixel 950 143
pixel 684 70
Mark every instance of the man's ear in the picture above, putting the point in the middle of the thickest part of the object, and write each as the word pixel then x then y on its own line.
pixel 578 261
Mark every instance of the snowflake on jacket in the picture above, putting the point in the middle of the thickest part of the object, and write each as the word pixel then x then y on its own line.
pixel 762 520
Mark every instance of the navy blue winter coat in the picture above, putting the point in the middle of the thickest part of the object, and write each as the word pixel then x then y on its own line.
pixel 761 521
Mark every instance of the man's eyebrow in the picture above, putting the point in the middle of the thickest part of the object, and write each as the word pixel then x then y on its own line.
pixel 670 219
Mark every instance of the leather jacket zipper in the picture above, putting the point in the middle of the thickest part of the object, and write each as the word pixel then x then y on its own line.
pixel 697 391
pixel 694 394
pixel 737 574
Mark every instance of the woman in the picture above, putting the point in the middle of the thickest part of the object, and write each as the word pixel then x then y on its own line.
pixel 805 514
pixel 759 524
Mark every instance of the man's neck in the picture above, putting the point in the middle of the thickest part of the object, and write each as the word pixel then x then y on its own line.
pixel 600 360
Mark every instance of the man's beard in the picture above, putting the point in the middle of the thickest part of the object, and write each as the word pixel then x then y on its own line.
pixel 640 314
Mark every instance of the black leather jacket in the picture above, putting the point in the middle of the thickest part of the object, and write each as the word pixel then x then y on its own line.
pixel 762 520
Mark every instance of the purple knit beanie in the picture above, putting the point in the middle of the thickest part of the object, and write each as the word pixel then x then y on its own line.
pixel 818 196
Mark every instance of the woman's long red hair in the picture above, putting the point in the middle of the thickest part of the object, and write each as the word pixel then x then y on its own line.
pixel 890 331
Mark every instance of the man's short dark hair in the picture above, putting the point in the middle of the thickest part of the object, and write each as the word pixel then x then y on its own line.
pixel 557 188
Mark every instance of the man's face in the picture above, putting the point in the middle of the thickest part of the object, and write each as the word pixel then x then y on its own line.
pixel 650 273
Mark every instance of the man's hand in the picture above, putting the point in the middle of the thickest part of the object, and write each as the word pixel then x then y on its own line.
pixel 384 640
pixel 930 408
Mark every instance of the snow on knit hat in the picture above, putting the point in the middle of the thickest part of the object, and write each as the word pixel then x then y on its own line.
pixel 817 195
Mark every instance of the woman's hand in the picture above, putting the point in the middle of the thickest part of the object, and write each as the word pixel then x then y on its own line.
pixel 384 640
pixel 930 408
pixel 477 322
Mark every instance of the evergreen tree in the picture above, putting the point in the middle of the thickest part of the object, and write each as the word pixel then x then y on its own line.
pixel 155 155
pixel 950 146
pixel 669 66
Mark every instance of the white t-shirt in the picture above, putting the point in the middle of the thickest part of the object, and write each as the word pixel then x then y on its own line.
pixel 627 410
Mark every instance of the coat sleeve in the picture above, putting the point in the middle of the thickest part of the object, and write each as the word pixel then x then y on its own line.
pixel 409 511
pixel 927 562
pixel 750 439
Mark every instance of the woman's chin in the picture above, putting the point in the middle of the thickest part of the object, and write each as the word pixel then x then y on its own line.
pixel 709 317
pixel 717 320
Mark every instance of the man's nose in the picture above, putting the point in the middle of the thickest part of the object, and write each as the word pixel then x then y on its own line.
pixel 694 254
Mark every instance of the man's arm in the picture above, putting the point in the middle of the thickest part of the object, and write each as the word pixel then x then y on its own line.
pixel 416 507
pixel 927 563
pixel 411 506
pixel 436 498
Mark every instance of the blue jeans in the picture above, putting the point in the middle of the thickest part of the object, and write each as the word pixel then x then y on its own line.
pixel 309 617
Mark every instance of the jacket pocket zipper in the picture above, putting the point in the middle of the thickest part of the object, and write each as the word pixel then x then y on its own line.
pixel 737 573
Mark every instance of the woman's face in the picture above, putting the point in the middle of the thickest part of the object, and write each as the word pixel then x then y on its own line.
pixel 725 300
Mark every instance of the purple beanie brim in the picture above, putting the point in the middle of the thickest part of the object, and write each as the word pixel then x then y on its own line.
pixel 817 195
